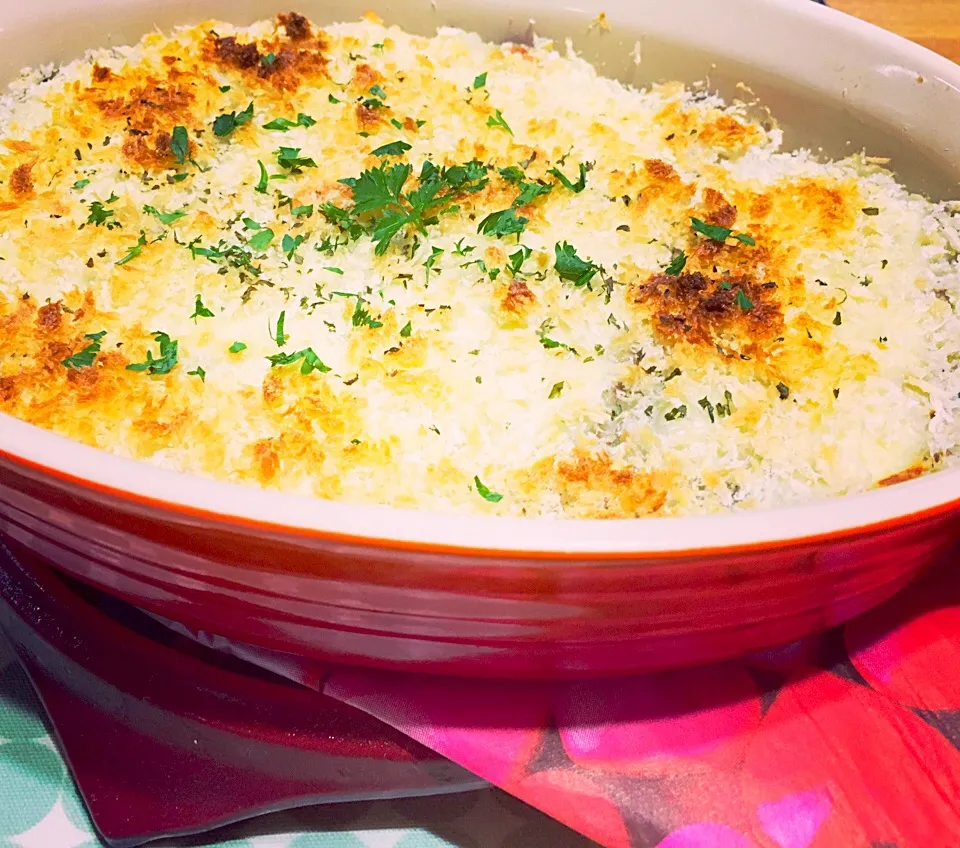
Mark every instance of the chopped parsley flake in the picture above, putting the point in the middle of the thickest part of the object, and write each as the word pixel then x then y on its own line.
pixel 571 267
pixel 81 184
pixel 497 120
pixel 261 239
pixel 377 91
pixel 406 331
pixel 198 372
pixel 180 144
pixel 166 218
pixel 676 412
pixel 707 407
pixel 279 336
pixel 298 211
pixel 289 159
pixel 576 187
pixel 333 270
pixel 485 493
pixel 237 347
pixel 200 311
pixel 503 223
pixel 333 99
pixel 133 252
pixel 168 356
pixel 837 320
pixel 361 316
pixel 269 59
pixel 262 182
pixel 394 148
pixel 556 390
pixel 229 121
pixel 85 357
pixel 512 174
pixel 99 213
pixel 719 234
pixel 677 264
pixel 517 259
pixel 309 361
pixel 480 80
pixel 289 244
pixel 284 124
pixel 460 250
pixel 870 210
pixel 435 253
pixel 225 88
pixel 743 301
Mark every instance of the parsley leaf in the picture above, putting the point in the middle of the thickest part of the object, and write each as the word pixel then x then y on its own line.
pixel 200 311
pixel 166 218
pixel 394 148
pixel 290 159
pixel 530 192
pixel 99 213
pixel 743 301
pixel 198 372
pixel 556 390
pixel 309 361
pixel 377 91
pixel 236 347
pixel 512 174
pixel 289 244
pixel 435 253
pixel 333 99
pixel 502 223
pixel 362 318
pixel 133 252
pixel 677 264
pixel 517 259
pixel 407 330
pixel 576 187
pixel 261 239
pixel 167 360
pixel 480 80
pixel 262 182
pixel 571 267
pixel 485 493
pixel 279 336
pixel 226 123
pixel 297 211
pixel 497 120
pixel 719 234
pixel 676 412
pixel 180 144
pixel 85 357
pixel 284 124
pixel 81 184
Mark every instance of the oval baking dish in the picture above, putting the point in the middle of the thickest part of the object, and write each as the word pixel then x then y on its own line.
pixel 504 596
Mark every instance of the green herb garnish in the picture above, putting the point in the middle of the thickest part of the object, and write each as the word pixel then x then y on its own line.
pixel 180 144
pixel 284 124
pixel 167 356
pixel 229 121
pixel 717 233
pixel 743 301
pixel 480 80
pixel 166 218
pixel 289 244
pixel 262 182
pixel 571 267
pixel 200 311
pixel 497 120
pixel 406 330
pixel 85 357
pixel 133 252
pixel 309 361
pixel 198 372
pixel 279 336
pixel 677 264
pixel 261 239
pixel 556 390
pixel 576 187
pixel 394 148
pixel 503 223
pixel 289 158
pixel 81 184
pixel 237 347
pixel 485 493
pixel 298 211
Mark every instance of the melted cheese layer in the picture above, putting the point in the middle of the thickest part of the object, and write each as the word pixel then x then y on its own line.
pixel 177 288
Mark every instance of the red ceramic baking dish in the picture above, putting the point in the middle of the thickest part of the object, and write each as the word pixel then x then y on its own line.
pixel 512 597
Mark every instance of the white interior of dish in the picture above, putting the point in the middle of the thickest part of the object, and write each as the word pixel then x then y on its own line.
pixel 833 83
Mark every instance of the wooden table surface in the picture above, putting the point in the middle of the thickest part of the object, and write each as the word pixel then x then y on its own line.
pixel 934 23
